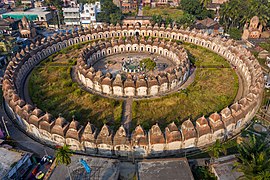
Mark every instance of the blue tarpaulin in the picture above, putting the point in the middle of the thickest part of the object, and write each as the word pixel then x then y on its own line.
pixel 85 165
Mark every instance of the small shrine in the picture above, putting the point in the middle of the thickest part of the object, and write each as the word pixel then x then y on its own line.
pixel 27 29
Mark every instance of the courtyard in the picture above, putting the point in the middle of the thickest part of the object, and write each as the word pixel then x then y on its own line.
pixel 113 64
pixel 215 86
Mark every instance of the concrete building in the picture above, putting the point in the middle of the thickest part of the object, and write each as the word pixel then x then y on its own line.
pixel 223 168
pixel 72 15
pixel 164 169
pixel 28 3
pixel 14 164
pixel 89 13
pixel 35 14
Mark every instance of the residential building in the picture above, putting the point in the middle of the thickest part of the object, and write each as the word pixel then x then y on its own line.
pixel 128 6
pixel 10 2
pixel 39 3
pixel 69 3
pixel 28 3
pixel 209 25
pixel 89 13
pixel 8 25
pixel 72 15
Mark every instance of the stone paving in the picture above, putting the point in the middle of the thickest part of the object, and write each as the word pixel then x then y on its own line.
pixel 113 64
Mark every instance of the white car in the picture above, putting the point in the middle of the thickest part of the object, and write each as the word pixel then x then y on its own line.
pixel 267 85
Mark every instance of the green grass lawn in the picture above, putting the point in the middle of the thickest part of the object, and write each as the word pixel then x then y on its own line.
pixel 212 90
pixel 165 12
pixel 51 89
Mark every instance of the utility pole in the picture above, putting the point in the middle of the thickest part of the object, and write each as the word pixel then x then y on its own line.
pixel 5 126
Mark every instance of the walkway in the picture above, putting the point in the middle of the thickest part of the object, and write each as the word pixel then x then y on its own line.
pixel 127 113
pixel 140 11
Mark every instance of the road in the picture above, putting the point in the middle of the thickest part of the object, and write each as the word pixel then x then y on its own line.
pixel 140 11
pixel 23 141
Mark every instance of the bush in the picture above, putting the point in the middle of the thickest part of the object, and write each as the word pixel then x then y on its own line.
pixel 148 64
pixel 235 33
pixel 78 92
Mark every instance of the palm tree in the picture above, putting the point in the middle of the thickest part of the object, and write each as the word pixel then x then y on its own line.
pixel 253 159
pixel 217 149
pixel 63 155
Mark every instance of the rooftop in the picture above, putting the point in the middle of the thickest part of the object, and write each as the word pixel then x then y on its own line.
pixel 168 169
pixel 223 168
pixel 31 14
pixel 8 159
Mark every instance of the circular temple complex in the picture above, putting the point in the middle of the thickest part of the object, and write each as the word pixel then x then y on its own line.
pixel 134 81
pixel 107 41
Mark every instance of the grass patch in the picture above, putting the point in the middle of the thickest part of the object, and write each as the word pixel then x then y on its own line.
pixel 51 89
pixel 165 12
pixel 212 90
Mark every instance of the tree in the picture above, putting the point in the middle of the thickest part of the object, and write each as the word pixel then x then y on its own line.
pixel 254 158
pixel 157 19
pixel 204 3
pixel 235 33
pixel 63 155
pixel 195 8
pixel 235 13
pixel 110 13
pixel 217 148
pixel 186 20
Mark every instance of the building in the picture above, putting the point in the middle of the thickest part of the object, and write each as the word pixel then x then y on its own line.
pixel 252 30
pixel 107 40
pixel 223 168
pixel 39 3
pixel 219 1
pixel 155 3
pixel 14 164
pixel 177 168
pixel 10 2
pixel 27 29
pixel 69 3
pixel 72 15
pixel 4 8
pixel 128 6
pixel 35 14
pixel 209 25
pixel 28 3
pixel 8 25
pixel 89 13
